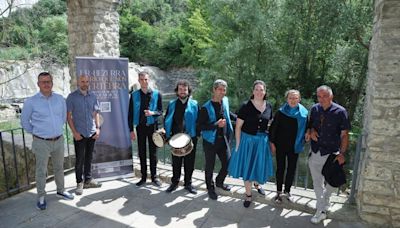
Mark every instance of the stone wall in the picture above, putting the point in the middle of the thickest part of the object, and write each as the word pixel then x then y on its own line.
pixel 18 79
pixel 184 73
pixel 379 186
pixel 93 30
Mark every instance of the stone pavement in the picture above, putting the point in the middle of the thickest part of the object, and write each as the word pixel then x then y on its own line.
pixel 119 203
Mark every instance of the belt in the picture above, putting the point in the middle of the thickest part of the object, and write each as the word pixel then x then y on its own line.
pixel 48 139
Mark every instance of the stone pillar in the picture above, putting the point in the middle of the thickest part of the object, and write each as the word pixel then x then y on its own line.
pixel 93 30
pixel 378 198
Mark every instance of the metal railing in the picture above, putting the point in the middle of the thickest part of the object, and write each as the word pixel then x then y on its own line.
pixel 8 174
pixel 17 171
pixel 302 176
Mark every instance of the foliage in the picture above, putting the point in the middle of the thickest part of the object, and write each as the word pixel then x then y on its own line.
pixel 287 43
pixel 40 31
pixel 54 31
pixel 14 53
pixel 151 33
pixel 198 38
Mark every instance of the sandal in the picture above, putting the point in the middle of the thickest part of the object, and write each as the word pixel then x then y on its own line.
pixel 259 189
pixel 247 202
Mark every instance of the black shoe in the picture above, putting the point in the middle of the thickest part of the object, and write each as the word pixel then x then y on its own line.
pixel 289 196
pixel 259 189
pixel 156 182
pixel 224 187
pixel 247 202
pixel 278 198
pixel 141 182
pixel 212 194
pixel 191 189
pixel 172 188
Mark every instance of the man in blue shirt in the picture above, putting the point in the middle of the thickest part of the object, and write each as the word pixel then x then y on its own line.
pixel 84 121
pixel 43 115
pixel 330 127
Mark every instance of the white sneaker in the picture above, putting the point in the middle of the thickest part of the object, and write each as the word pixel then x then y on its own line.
pixel 328 205
pixel 79 189
pixel 318 217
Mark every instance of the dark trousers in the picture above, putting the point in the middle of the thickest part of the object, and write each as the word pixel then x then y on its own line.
pixel 144 132
pixel 210 150
pixel 188 162
pixel 83 161
pixel 281 157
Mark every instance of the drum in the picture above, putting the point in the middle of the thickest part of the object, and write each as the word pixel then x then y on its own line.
pixel 181 144
pixel 159 138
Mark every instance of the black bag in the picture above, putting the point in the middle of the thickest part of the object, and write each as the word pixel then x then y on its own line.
pixel 333 172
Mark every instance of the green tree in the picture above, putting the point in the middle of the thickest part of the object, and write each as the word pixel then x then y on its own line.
pixel 137 38
pixel 19 32
pixel 289 44
pixel 244 48
pixel 198 39
pixel 151 32
pixel 54 40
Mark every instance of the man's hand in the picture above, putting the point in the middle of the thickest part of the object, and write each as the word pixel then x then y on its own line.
pixel 307 136
pixel 221 123
pixel 273 148
pixel 97 135
pixel 340 158
pixel 133 136
pixel 77 136
pixel 314 135
pixel 148 112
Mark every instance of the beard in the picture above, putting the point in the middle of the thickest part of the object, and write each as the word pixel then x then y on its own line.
pixel 183 96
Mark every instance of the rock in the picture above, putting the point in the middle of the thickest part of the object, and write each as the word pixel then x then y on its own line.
pixel 18 80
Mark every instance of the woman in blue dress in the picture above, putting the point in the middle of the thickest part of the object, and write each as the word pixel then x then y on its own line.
pixel 252 158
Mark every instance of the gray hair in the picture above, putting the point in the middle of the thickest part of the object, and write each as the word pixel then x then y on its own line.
pixel 325 88
pixel 292 91
pixel 143 73
pixel 220 82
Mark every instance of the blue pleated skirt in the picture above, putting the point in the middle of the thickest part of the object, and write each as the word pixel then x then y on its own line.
pixel 252 161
